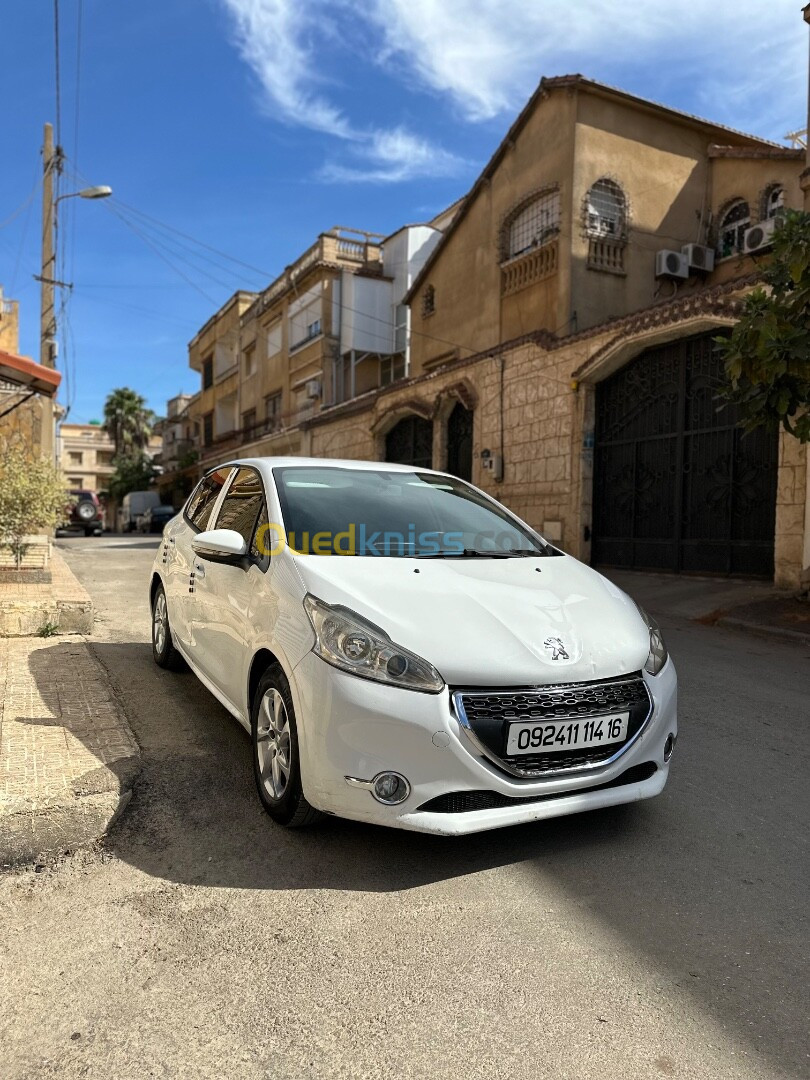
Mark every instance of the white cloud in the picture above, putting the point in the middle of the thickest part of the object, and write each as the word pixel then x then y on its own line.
pixel 279 41
pixel 392 156
pixel 747 61
pixel 742 65
pixel 271 37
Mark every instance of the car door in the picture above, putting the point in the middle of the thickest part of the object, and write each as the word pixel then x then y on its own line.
pixel 226 594
pixel 178 556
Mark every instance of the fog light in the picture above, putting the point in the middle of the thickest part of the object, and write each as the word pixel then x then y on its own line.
pixel 390 788
pixel 669 746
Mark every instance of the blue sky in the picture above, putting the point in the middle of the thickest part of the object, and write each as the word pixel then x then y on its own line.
pixel 253 125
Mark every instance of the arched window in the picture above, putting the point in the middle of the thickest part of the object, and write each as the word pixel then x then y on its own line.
pixel 606 210
pixel 774 201
pixel 731 230
pixel 534 224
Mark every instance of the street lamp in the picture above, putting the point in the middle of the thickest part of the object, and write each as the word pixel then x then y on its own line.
pixel 52 163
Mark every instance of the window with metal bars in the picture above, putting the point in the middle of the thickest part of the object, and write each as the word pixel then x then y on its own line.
pixel 731 230
pixel 537 222
pixel 606 210
pixel 774 202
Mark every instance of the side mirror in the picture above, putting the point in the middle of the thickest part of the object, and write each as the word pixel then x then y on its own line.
pixel 220 545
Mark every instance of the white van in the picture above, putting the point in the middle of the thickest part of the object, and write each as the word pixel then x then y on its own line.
pixel 134 504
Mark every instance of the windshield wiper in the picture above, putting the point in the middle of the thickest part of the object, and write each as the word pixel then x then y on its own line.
pixel 472 553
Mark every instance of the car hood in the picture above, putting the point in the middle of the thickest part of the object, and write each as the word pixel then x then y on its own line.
pixel 491 621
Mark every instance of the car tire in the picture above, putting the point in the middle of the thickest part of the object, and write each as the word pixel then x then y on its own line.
pixel 85 510
pixel 163 651
pixel 276 757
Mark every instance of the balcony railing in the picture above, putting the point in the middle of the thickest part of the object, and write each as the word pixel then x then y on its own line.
pixel 331 247
pixel 528 268
pixel 606 254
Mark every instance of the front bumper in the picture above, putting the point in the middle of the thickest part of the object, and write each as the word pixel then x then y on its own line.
pixel 357 728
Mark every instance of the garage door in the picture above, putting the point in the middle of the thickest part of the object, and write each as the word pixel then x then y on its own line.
pixel 677 485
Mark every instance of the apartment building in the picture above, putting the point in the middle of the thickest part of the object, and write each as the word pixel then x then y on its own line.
pixel 331 327
pixel 551 338
pixel 86 454
pixel 179 432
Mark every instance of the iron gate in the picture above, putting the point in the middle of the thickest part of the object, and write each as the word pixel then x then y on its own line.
pixel 677 485
pixel 460 442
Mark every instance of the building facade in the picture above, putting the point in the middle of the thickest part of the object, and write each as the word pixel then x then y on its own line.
pixel 86 455
pixel 332 327
pixel 559 342
pixel 27 390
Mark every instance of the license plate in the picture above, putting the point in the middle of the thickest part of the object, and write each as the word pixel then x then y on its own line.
pixel 531 737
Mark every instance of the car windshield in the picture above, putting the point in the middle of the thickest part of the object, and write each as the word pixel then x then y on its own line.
pixel 345 511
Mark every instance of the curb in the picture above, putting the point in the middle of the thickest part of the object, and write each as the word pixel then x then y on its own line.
pixel 31 836
pixel 796 636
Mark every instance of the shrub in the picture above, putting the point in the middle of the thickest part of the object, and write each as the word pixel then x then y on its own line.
pixel 33 497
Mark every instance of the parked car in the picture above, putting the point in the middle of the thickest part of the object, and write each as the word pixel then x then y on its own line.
pixel 85 514
pixel 406 651
pixel 155 518
pixel 134 504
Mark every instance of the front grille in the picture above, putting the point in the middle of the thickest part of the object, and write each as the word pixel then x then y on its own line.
pixel 486 715
pixel 461 802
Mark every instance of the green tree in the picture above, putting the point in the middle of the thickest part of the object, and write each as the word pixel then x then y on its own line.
pixel 132 472
pixel 127 421
pixel 767 356
pixel 33 496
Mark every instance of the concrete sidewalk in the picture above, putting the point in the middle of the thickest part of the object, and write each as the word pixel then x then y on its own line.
pixel 755 606
pixel 67 756
pixel 62 604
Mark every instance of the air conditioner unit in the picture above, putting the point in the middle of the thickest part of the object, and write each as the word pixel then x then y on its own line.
pixel 759 236
pixel 671 264
pixel 313 388
pixel 699 257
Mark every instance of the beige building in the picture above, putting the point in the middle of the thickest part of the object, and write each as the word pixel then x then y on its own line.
pixel 86 454
pixel 573 374
pixel 332 327
pixel 559 349
pixel 27 390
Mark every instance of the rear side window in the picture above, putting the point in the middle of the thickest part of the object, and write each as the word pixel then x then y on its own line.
pixel 241 506
pixel 201 503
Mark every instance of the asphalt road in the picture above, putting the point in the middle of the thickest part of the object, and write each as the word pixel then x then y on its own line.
pixel 200 940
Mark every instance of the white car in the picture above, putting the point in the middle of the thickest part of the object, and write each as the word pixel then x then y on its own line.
pixel 406 651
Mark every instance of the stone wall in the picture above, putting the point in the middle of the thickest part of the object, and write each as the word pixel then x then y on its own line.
pixel 790 512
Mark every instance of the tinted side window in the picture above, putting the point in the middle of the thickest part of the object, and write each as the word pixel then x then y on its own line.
pixel 202 501
pixel 240 507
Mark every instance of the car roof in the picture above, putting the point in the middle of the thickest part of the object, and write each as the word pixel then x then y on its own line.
pixel 266 464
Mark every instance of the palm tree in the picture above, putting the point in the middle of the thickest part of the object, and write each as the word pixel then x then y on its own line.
pixel 127 420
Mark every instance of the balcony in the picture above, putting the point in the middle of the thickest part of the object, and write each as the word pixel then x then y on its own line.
pixel 338 247
pixel 529 268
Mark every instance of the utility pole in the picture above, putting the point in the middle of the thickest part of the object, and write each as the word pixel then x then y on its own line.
pixel 51 163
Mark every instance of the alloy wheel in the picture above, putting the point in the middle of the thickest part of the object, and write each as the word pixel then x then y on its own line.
pixel 160 622
pixel 273 744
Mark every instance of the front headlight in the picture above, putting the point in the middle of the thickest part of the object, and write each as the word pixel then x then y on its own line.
pixel 345 640
pixel 658 651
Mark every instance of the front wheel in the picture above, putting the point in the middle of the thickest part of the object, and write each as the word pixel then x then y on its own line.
pixel 163 650
pixel 276 758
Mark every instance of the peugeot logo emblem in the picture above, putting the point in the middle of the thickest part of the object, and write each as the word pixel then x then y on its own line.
pixel 556 648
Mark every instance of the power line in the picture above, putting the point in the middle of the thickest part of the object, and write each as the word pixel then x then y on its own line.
pixel 56 72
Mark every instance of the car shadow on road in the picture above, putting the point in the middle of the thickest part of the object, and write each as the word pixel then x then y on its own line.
pixel 697 883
